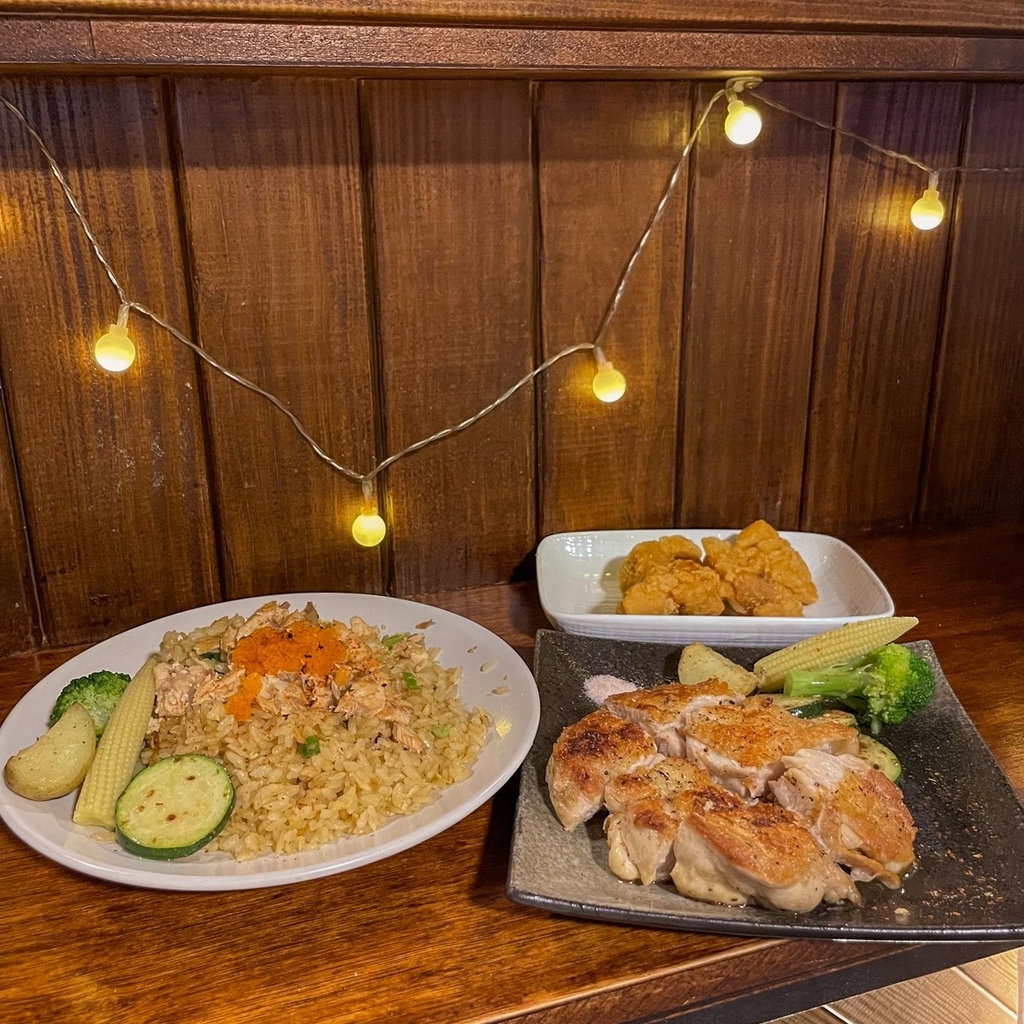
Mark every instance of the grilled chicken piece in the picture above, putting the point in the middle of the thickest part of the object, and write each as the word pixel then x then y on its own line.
pixel 586 756
pixel 727 851
pixel 662 711
pixel 642 822
pixel 742 746
pixel 856 814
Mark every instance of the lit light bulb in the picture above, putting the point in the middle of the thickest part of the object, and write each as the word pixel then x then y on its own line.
pixel 368 528
pixel 742 123
pixel 115 351
pixel 609 384
pixel 928 212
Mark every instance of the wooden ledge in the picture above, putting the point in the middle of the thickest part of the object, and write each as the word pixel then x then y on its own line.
pixel 46 43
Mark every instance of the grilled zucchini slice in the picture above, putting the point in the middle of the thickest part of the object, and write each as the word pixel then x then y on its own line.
pixel 174 807
pixel 879 756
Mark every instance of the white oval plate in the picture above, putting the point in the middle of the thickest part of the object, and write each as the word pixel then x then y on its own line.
pixel 578 580
pixel 488 665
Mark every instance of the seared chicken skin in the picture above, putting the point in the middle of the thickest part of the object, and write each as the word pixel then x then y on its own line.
pixel 663 711
pixel 742 746
pixel 586 756
pixel 642 823
pixel 856 814
pixel 732 799
pixel 727 851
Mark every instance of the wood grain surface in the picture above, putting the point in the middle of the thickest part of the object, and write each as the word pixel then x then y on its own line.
pixel 999 15
pixel 955 1001
pixel 275 223
pixel 19 627
pixel 975 470
pixel 999 975
pixel 983 991
pixel 874 360
pixel 388 256
pixel 587 484
pixel 754 239
pixel 428 935
pixel 452 202
pixel 112 468
pixel 118 44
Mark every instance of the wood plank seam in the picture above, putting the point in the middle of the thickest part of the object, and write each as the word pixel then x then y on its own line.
pixel 987 993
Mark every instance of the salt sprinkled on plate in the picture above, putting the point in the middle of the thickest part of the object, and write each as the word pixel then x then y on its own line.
pixel 600 687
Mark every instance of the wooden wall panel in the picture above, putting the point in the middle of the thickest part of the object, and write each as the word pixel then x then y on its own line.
pixel 881 306
pixel 605 153
pixel 387 257
pixel 452 201
pixel 112 467
pixel 755 239
pixel 976 462
pixel 19 630
pixel 275 219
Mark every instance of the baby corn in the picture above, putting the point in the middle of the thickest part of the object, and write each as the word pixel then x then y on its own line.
pixel 834 647
pixel 118 751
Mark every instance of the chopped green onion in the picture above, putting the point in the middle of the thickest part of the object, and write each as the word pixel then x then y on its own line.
pixel 440 731
pixel 309 746
pixel 393 639
pixel 410 681
pixel 214 656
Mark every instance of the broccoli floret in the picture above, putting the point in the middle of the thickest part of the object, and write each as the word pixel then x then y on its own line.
pixel 882 687
pixel 97 692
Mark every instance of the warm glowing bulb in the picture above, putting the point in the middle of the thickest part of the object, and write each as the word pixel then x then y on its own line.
pixel 115 351
pixel 609 385
pixel 368 529
pixel 928 211
pixel 742 123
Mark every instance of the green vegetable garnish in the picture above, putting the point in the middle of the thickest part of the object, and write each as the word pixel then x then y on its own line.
pixel 393 639
pixel 410 681
pixel 213 656
pixel 440 731
pixel 97 693
pixel 882 687
pixel 309 746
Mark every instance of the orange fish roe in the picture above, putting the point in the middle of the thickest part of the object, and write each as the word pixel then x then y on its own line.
pixel 239 704
pixel 300 647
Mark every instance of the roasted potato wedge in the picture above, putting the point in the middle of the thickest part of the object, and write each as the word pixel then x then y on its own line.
pixel 57 762
pixel 698 663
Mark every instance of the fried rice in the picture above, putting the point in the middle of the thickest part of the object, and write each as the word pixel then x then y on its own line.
pixel 307 775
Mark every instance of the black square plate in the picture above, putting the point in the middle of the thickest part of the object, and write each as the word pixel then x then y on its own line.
pixel 967 883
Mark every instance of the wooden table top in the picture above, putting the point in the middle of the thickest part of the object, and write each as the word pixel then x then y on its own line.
pixel 428 936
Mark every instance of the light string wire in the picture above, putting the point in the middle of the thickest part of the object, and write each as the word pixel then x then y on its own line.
pixel 366 479
pixel 928 169
pixel 655 218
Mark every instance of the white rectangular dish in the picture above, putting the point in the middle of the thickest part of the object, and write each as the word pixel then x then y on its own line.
pixel 578 580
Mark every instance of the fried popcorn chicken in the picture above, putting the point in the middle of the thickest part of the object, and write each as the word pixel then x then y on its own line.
pixel 651 555
pixel 683 588
pixel 762 573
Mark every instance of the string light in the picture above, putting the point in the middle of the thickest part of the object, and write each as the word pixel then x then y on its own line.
pixel 742 122
pixel 368 528
pixel 609 384
pixel 115 351
pixel 928 212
